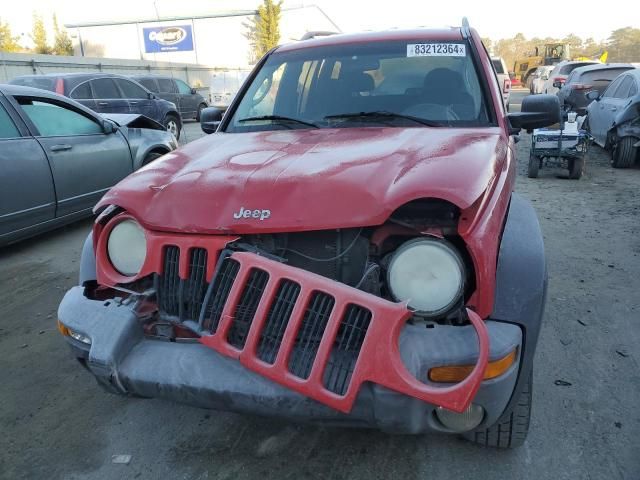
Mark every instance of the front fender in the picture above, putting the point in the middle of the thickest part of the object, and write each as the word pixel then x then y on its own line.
pixel 87 261
pixel 521 282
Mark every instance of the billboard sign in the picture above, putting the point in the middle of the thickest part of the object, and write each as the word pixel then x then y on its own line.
pixel 170 38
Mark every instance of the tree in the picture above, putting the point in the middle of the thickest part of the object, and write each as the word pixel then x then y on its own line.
pixel 62 43
pixel 39 35
pixel 8 43
pixel 624 45
pixel 264 30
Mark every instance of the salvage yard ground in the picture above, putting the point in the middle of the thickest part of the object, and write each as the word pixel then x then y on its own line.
pixel 57 423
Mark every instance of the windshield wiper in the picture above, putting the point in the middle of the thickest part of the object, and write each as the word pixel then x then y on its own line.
pixel 278 118
pixel 384 114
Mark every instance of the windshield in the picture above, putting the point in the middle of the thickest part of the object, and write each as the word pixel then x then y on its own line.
pixel 393 83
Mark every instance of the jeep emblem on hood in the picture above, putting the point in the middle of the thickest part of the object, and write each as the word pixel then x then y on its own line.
pixel 246 213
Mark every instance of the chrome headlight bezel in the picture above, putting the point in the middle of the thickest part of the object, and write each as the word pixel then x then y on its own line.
pixel 450 255
pixel 126 247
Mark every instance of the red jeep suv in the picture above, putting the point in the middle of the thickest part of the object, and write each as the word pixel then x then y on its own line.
pixel 346 248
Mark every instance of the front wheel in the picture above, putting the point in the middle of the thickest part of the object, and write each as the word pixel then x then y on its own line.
pixel 576 168
pixel 201 107
pixel 172 124
pixel 534 166
pixel 624 153
pixel 511 430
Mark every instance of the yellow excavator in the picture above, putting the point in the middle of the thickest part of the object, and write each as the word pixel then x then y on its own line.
pixel 547 54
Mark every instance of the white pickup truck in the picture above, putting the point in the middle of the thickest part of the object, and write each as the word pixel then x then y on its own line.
pixel 503 79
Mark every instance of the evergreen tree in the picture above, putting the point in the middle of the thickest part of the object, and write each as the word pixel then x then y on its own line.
pixel 8 43
pixel 39 35
pixel 266 27
pixel 62 43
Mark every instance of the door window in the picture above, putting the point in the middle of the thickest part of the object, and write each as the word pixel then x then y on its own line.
pixel 165 85
pixel 623 90
pixel 149 83
pixel 130 89
pixel 7 127
pixel 634 89
pixel 105 88
pixel 82 91
pixel 183 87
pixel 54 119
pixel 608 93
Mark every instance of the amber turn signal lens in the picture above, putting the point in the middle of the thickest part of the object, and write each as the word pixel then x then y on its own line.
pixel 62 329
pixel 457 373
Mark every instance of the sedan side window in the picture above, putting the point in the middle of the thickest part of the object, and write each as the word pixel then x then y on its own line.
pixel 105 88
pixel 82 91
pixel 634 89
pixel 7 127
pixel 609 92
pixel 623 90
pixel 130 89
pixel 54 119
pixel 183 87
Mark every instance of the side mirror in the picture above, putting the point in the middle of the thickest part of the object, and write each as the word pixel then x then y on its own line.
pixel 210 118
pixel 151 96
pixel 545 77
pixel 537 111
pixel 593 95
pixel 108 128
pixel 193 91
pixel 557 84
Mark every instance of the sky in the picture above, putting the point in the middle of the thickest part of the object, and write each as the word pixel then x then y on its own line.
pixel 492 18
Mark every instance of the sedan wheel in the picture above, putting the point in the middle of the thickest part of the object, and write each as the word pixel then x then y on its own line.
pixel 172 124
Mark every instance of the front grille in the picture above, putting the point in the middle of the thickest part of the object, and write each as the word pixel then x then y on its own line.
pixel 196 300
pixel 246 308
pixel 314 323
pixel 353 329
pixel 168 284
pixel 277 320
pixel 218 294
pixel 177 297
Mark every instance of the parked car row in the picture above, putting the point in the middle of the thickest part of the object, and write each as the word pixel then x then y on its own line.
pixel 607 93
pixel 58 158
pixel 164 99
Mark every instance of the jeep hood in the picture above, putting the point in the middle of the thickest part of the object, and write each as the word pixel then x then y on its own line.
pixel 308 179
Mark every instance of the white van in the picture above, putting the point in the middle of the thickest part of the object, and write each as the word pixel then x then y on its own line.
pixel 224 85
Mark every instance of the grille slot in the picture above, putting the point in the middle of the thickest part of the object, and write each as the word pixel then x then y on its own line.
pixel 168 284
pixel 246 309
pixel 310 333
pixel 194 289
pixel 277 320
pixel 346 349
pixel 215 301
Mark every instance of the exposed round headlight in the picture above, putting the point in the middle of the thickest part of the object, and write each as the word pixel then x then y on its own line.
pixel 428 274
pixel 127 247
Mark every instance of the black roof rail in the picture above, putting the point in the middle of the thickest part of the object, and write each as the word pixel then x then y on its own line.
pixel 466 32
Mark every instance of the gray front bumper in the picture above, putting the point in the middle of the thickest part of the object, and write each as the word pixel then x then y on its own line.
pixel 125 362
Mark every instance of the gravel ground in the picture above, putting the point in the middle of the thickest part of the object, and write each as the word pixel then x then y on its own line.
pixel 57 423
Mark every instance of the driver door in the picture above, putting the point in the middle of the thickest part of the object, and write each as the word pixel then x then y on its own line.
pixel 85 161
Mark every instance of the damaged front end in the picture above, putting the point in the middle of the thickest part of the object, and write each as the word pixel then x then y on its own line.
pixel 306 315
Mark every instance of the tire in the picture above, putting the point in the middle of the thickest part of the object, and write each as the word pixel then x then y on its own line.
pixel 534 166
pixel 201 107
pixel 511 430
pixel 151 157
pixel 172 124
pixel 576 168
pixel 624 153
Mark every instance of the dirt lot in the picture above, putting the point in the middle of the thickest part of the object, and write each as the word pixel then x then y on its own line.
pixel 57 423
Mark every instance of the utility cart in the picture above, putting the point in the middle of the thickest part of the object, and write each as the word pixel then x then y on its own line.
pixel 557 147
